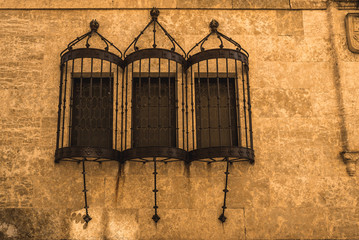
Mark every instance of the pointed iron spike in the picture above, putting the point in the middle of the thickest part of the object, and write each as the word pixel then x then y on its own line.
pixel 87 218
pixel 156 218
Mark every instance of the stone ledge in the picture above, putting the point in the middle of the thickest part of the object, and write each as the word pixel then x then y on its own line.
pixel 261 4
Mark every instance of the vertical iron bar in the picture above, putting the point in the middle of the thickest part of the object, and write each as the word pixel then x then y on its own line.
pixel 126 107
pixel 244 106
pixel 159 102
pixel 110 112
pixel 81 102
pixel 71 101
pixel 183 113
pixel 140 91
pixel 218 105
pixel 122 107
pixel 229 107
pixel 91 77
pixel 209 107
pixel 64 108
pixel 222 217
pixel 169 104
pixel 249 108
pixel 187 123
pixel 177 107
pixel 155 217
pixel 87 217
pixel 60 107
pixel 116 108
pixel 132 105
pixel 148 99
pixel 239 132
pixel 199 117
pixel 101 80
pixel 192 109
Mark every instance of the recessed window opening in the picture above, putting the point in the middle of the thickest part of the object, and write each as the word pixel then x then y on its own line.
pixel 215 101
pixel 92 110
pixel 154 111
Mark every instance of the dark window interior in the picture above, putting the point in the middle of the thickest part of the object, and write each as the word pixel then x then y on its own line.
pixel 154 116
pixel 216 121
pixel 92 112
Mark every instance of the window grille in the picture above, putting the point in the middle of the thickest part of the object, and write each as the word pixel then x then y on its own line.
pixel 220 105
pixel 158 104
pixel 88 104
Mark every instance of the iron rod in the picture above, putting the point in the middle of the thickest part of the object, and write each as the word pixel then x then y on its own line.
pixel 209 106
pixel 199 122
pixel 159 102
pixel 116 108
pixel 155 217
pixel 238 107
pixel 122 108
pixel 169 104
pixel 229 107
pixel 249 109
pixel 148 105
pixel 59 107
pixel 244 106
pixel 71 101
pixel 218 105
pixel 225 190
pixel 192 109
pixel 87 217
pixel 126 107
pixel 64 107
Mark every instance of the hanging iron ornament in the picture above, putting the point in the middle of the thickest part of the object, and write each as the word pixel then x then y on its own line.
pixel 220 104
pixel 88 104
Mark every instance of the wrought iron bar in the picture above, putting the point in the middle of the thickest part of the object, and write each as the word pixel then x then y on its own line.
pixel 87 217
pixel 169 104
pixel 229 106
pixel 59 106
pixel 177 105
pixel 249 108
pixel 238 106
pixel 218 105
pixel 192 109
pixel 155 217
pixel 209 114
pixel 71 101
pixel 116 108
pixel 244 106
pixel 159 101
pixel 183 111
pixel 64 107
pixel 199 123
pixel 222 217
pixel 122 108
pixel 149 102
pixel 126 108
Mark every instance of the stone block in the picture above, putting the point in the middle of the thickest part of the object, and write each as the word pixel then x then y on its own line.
pixel 205 4
pixel 260 4
pixel 286 223
pixel 290 23
pixel 343 222
pixel 16 192
pixel 308 4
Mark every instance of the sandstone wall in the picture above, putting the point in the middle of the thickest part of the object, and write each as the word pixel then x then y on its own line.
pixel 304 86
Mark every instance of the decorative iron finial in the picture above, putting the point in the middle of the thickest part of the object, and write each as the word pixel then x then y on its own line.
pixel 213 25
pixel 94 25
pixel 154 13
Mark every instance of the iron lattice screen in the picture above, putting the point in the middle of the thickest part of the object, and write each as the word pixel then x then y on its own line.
pixel 215 112
pixel 154 116
pixel 92 112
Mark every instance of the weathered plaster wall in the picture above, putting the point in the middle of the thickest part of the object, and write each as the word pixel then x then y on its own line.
pixel 305 102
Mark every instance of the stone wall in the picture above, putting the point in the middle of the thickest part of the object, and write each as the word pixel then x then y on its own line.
pixel 304 86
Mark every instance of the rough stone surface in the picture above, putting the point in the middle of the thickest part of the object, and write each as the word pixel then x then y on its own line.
pixel 304 90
